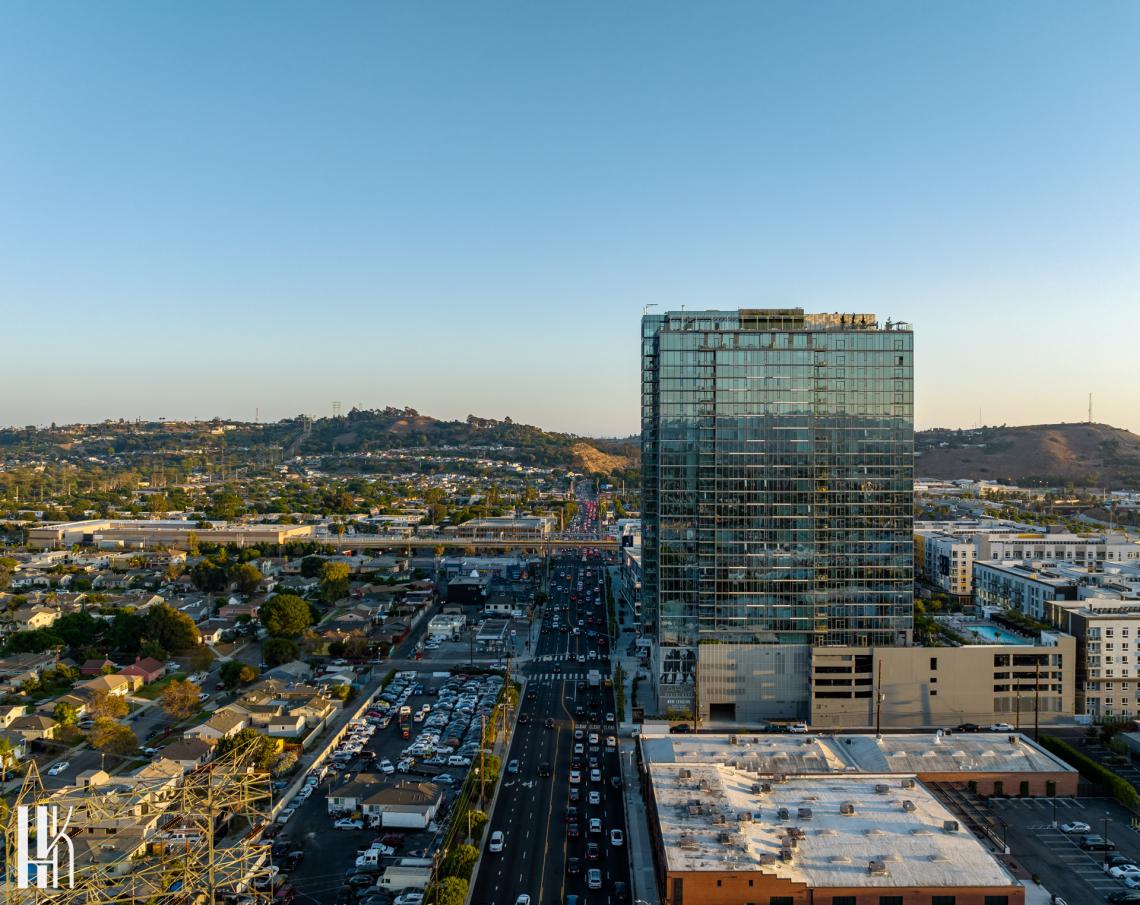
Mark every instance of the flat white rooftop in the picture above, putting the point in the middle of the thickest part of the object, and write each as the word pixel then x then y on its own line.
pixel 825 831
pixel 910 753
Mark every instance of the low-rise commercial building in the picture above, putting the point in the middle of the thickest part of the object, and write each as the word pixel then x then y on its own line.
pixel 140 533
pixel 534 528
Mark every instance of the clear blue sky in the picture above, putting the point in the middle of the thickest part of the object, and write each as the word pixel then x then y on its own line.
pixel 208 208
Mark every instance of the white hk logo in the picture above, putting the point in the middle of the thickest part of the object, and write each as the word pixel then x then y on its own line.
pixel 51 837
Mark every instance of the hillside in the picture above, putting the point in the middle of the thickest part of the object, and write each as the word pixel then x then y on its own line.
pixel 1090 455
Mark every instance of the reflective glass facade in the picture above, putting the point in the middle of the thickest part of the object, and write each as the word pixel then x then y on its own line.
pixel 778 464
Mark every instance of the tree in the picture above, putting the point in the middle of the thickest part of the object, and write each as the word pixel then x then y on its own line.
pixel 451 891
pixel 105 706
pixel 113 738
pixel 7 567
pixel 180 699
pixel 264 749
pixel 460 861
pixel 246 576
pixel 65 714
pixel 275 651
pixel 311 566
pixel 285 616
pixel 158 504
pixel 478 820
pixel 235 673
pixel 201 658
pixel 171 629
pixel 334 581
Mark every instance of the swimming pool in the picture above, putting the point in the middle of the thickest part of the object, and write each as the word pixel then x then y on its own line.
pixel 990 633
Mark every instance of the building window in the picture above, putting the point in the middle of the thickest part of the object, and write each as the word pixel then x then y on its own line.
pixel 941 900
pixel 934 663
pixel 780 900
pixel 890 900
pixel 842 900
pixel 997 900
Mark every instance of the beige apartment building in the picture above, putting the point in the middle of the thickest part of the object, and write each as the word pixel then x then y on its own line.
pixel 945 686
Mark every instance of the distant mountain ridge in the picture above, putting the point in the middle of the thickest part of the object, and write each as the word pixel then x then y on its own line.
pixel 1083 454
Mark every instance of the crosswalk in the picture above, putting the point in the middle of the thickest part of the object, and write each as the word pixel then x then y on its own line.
pixel 549 676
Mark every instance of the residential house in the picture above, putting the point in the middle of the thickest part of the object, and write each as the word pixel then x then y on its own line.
pixel 96 667
pixel 30 618
pixel 17 669
pixel 34 727
pixel 222 724
pixel 418 801
pixel 17 745
pixel 287 725
pixel 293 671
pixel 189 753
pixel 10 712
pixel 146 668
pixel 115 685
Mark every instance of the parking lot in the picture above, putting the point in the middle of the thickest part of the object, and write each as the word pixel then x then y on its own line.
pixel 329 860
pixel 1064 868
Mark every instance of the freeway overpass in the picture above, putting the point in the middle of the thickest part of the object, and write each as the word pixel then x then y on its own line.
pixel 380 542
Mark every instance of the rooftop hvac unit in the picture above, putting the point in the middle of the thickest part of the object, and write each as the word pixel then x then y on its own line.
pixel 881 788
pixel 797 832
pixel 684 773
pixel 765 787
pixel 782 814
pixel 950 826
pixel 805 813
pixel 719 819
pixel 847 808
pixel 876 868
pixel 908 806
pixel 732 740
pixel 779 777
pixel 695 810
pixel 687 842
pixel 704 785
pixel 767 859
pixel 744 817
pixel 908 783
pixel 724 838
pixel 755 788
pixel 786 855
pixel 1015 739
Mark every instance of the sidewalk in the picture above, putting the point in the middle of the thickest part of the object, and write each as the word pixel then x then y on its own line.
pixel 639 845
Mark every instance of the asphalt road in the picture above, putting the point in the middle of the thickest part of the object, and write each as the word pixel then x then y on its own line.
pixel 532 809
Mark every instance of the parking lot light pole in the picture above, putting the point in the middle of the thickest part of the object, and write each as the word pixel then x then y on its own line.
pixel 1106 815
pixel 1054 809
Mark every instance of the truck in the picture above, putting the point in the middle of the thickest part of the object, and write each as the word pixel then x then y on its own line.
pixel 594 678
pixel 406 721
pixel 407 873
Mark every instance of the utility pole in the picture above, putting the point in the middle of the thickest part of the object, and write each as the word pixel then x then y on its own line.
pixel 1037 702
pixel 879 697
pixel 696 689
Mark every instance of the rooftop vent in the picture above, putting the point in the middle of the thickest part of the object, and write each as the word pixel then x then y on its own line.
pixel 744 817
pixel 939 858
pixel 950 826
pixel 908 783
pixel 847 808
pixel 873 831
pixel 782 814
pixel 877 868
pixel 719 819
pixel 724 838
pixel 684 773
pixel 786 855
pixel 881 788
pixel 767 859
pixel 840 859
pixel 732 740
pixel 805 813
pixel 687 841
pixel 1015 739
pixel 908 806
pixel 797 832
pixel 779 777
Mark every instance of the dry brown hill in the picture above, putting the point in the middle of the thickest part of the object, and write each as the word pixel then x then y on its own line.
pixel 1090 455
pixel 591 459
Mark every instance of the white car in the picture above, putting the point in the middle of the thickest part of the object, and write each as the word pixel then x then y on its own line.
pixel 1002 727
pixel 1076 826
pixel 611 741
pixel 575 777
pixel 497 841
pixel 524 899
pixel 409 898
pixel 1120 871
pixel 595 825
pixel 347 823
pixel 798 728
pixel 595 797
pixel 386 767
pixel 616 837
pixel 56 769
pixel 595 776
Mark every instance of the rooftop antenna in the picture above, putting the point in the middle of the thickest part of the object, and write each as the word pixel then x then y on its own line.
pixel 645 308
pixel 1090 408
pixel 336 409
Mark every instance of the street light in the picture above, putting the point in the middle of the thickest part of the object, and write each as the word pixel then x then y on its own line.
pixel 1106 816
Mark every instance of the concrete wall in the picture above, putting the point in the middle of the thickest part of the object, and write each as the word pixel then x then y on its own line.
pixel 943 686
pixel 764 681
pixel 736 888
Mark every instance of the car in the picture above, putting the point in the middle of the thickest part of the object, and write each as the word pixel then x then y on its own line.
pixel 361 880
pixel 1076 826
pixel 1002 727
pixel 593 738
pixel 544 769
pixel 513 766
pixel 595 775
pixel 1120 871
pixel 615 781
pixel 497 841
pixel 523 899
pixel 446 778
pixel 621 894
pixel 611 741
pixel 680 728
pixel 572 831
pixel 58 768
pixel 1124 896
pixel 579 735
pixel 798 728
pixel 593 852
pixel 595 825
pixel 573 865
pixel 617 837
pixel 1119 859
pixel 595 796
pixel 575 777
pixel 1091 842
pixel 549 722
pixel 386 767
pixel 579 748
pixel 594 878
pixel 409 898
pixel 1132 881
pixel 347 823
pixel 967 727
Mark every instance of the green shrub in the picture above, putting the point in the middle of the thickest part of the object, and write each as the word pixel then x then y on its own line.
pixel 1122 790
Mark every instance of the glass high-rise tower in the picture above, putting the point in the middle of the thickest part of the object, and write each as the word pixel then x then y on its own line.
pixel 777 486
